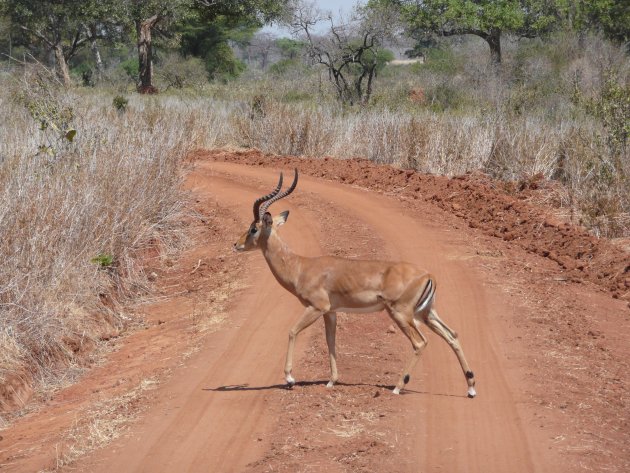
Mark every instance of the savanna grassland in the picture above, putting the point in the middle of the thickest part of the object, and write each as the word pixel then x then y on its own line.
pixel 90 174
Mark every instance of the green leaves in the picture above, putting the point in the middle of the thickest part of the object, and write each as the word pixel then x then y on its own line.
pixel 70 134
pixel 103 260
pixel 487 19
pixel 451 15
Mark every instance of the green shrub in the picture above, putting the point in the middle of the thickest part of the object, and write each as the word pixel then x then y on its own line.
pixel 284 66
pixel 445 97
pixel 296 96
pixel 103 260
pixel 439 61
pixel 131 68
pixel 120 103
pixel 177 72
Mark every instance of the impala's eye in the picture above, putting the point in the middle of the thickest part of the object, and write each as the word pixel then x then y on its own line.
pixel 253 230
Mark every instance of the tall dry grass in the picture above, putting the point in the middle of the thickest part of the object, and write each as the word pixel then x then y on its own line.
pixel 77 216
pixel 552 110
pixel 506 147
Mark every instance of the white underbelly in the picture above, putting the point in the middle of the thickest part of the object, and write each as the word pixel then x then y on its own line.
pixel 361 310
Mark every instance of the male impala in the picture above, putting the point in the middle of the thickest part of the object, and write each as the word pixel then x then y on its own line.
pixel 327 284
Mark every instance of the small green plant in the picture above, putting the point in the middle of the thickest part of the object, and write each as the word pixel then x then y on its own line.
pixel 43 98
pixel 120 103
pixel 103 260
pixel 258 107
pixel 293 96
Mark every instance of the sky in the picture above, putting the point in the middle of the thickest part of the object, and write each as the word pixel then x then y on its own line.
pixel 334 6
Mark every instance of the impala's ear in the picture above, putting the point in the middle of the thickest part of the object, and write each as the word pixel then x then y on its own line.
pixel 281 218
pixel 267 220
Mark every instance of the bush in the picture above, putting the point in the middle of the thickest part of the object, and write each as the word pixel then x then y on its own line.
pixel 120 103
pixel 444 97
pixel 439 61
pixel 286 66
pixel 131 68
pixel 179 73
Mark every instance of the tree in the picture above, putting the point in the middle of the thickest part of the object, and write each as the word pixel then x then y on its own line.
pixel 487 19
pixel 6 38
pixel 349 50
pixel 260 47
pixel 290 48
pixel 64 27
pixel 146 16
pixel 610 17
pixel 206 27
pixel 59 26
pixel 210 41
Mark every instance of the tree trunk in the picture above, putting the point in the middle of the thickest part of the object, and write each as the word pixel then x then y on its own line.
pixel 62 66
pixel 494 41
pixel 145 54
pixel 368 89
pixel 97 54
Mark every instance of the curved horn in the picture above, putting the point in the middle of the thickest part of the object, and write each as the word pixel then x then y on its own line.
pixel 264 198
pixel 265 206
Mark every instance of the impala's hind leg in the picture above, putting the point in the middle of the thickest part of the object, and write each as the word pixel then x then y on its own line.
pixel 439 327
pixel 330 320
pixel 418 341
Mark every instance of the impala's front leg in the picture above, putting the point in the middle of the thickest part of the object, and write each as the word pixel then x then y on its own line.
pixel 311 314
pixel 330 320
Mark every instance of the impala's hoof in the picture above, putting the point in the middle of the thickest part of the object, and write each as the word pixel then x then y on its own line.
pixel 330 384
pixel 396 391
pixel 471 392
pixel 290 381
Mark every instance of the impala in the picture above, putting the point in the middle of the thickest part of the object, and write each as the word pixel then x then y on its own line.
pixel 327 284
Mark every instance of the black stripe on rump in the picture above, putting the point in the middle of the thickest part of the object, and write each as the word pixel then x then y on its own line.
pixel 427 294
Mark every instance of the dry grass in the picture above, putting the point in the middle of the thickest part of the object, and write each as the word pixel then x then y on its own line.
pixel 508 148
pixel 113 194
pixel 104 422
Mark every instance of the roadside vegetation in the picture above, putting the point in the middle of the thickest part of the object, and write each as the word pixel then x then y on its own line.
pixel 89 190
pixel 96 125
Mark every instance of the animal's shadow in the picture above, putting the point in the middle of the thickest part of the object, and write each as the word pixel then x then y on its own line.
pixel 306 384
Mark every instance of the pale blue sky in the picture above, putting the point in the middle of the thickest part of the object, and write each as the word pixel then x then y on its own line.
pixel 335 6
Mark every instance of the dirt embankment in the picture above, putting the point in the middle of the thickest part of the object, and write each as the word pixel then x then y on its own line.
pixel 481 203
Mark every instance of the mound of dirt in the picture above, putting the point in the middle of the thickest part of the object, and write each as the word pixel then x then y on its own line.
pixel 481 202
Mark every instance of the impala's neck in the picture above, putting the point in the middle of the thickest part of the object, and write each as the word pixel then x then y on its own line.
pixel 284 264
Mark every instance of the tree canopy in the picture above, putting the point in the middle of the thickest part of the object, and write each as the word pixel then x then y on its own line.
pixel 487 19
pixel 51 28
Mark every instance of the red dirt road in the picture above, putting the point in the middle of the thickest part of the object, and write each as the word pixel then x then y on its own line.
pixel 549 354
pixel 207 426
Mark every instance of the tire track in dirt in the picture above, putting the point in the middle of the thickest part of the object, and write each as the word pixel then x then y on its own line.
pixel 209 419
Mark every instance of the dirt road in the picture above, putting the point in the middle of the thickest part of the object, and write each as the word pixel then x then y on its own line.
pixel 205 424
pixel 226 409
